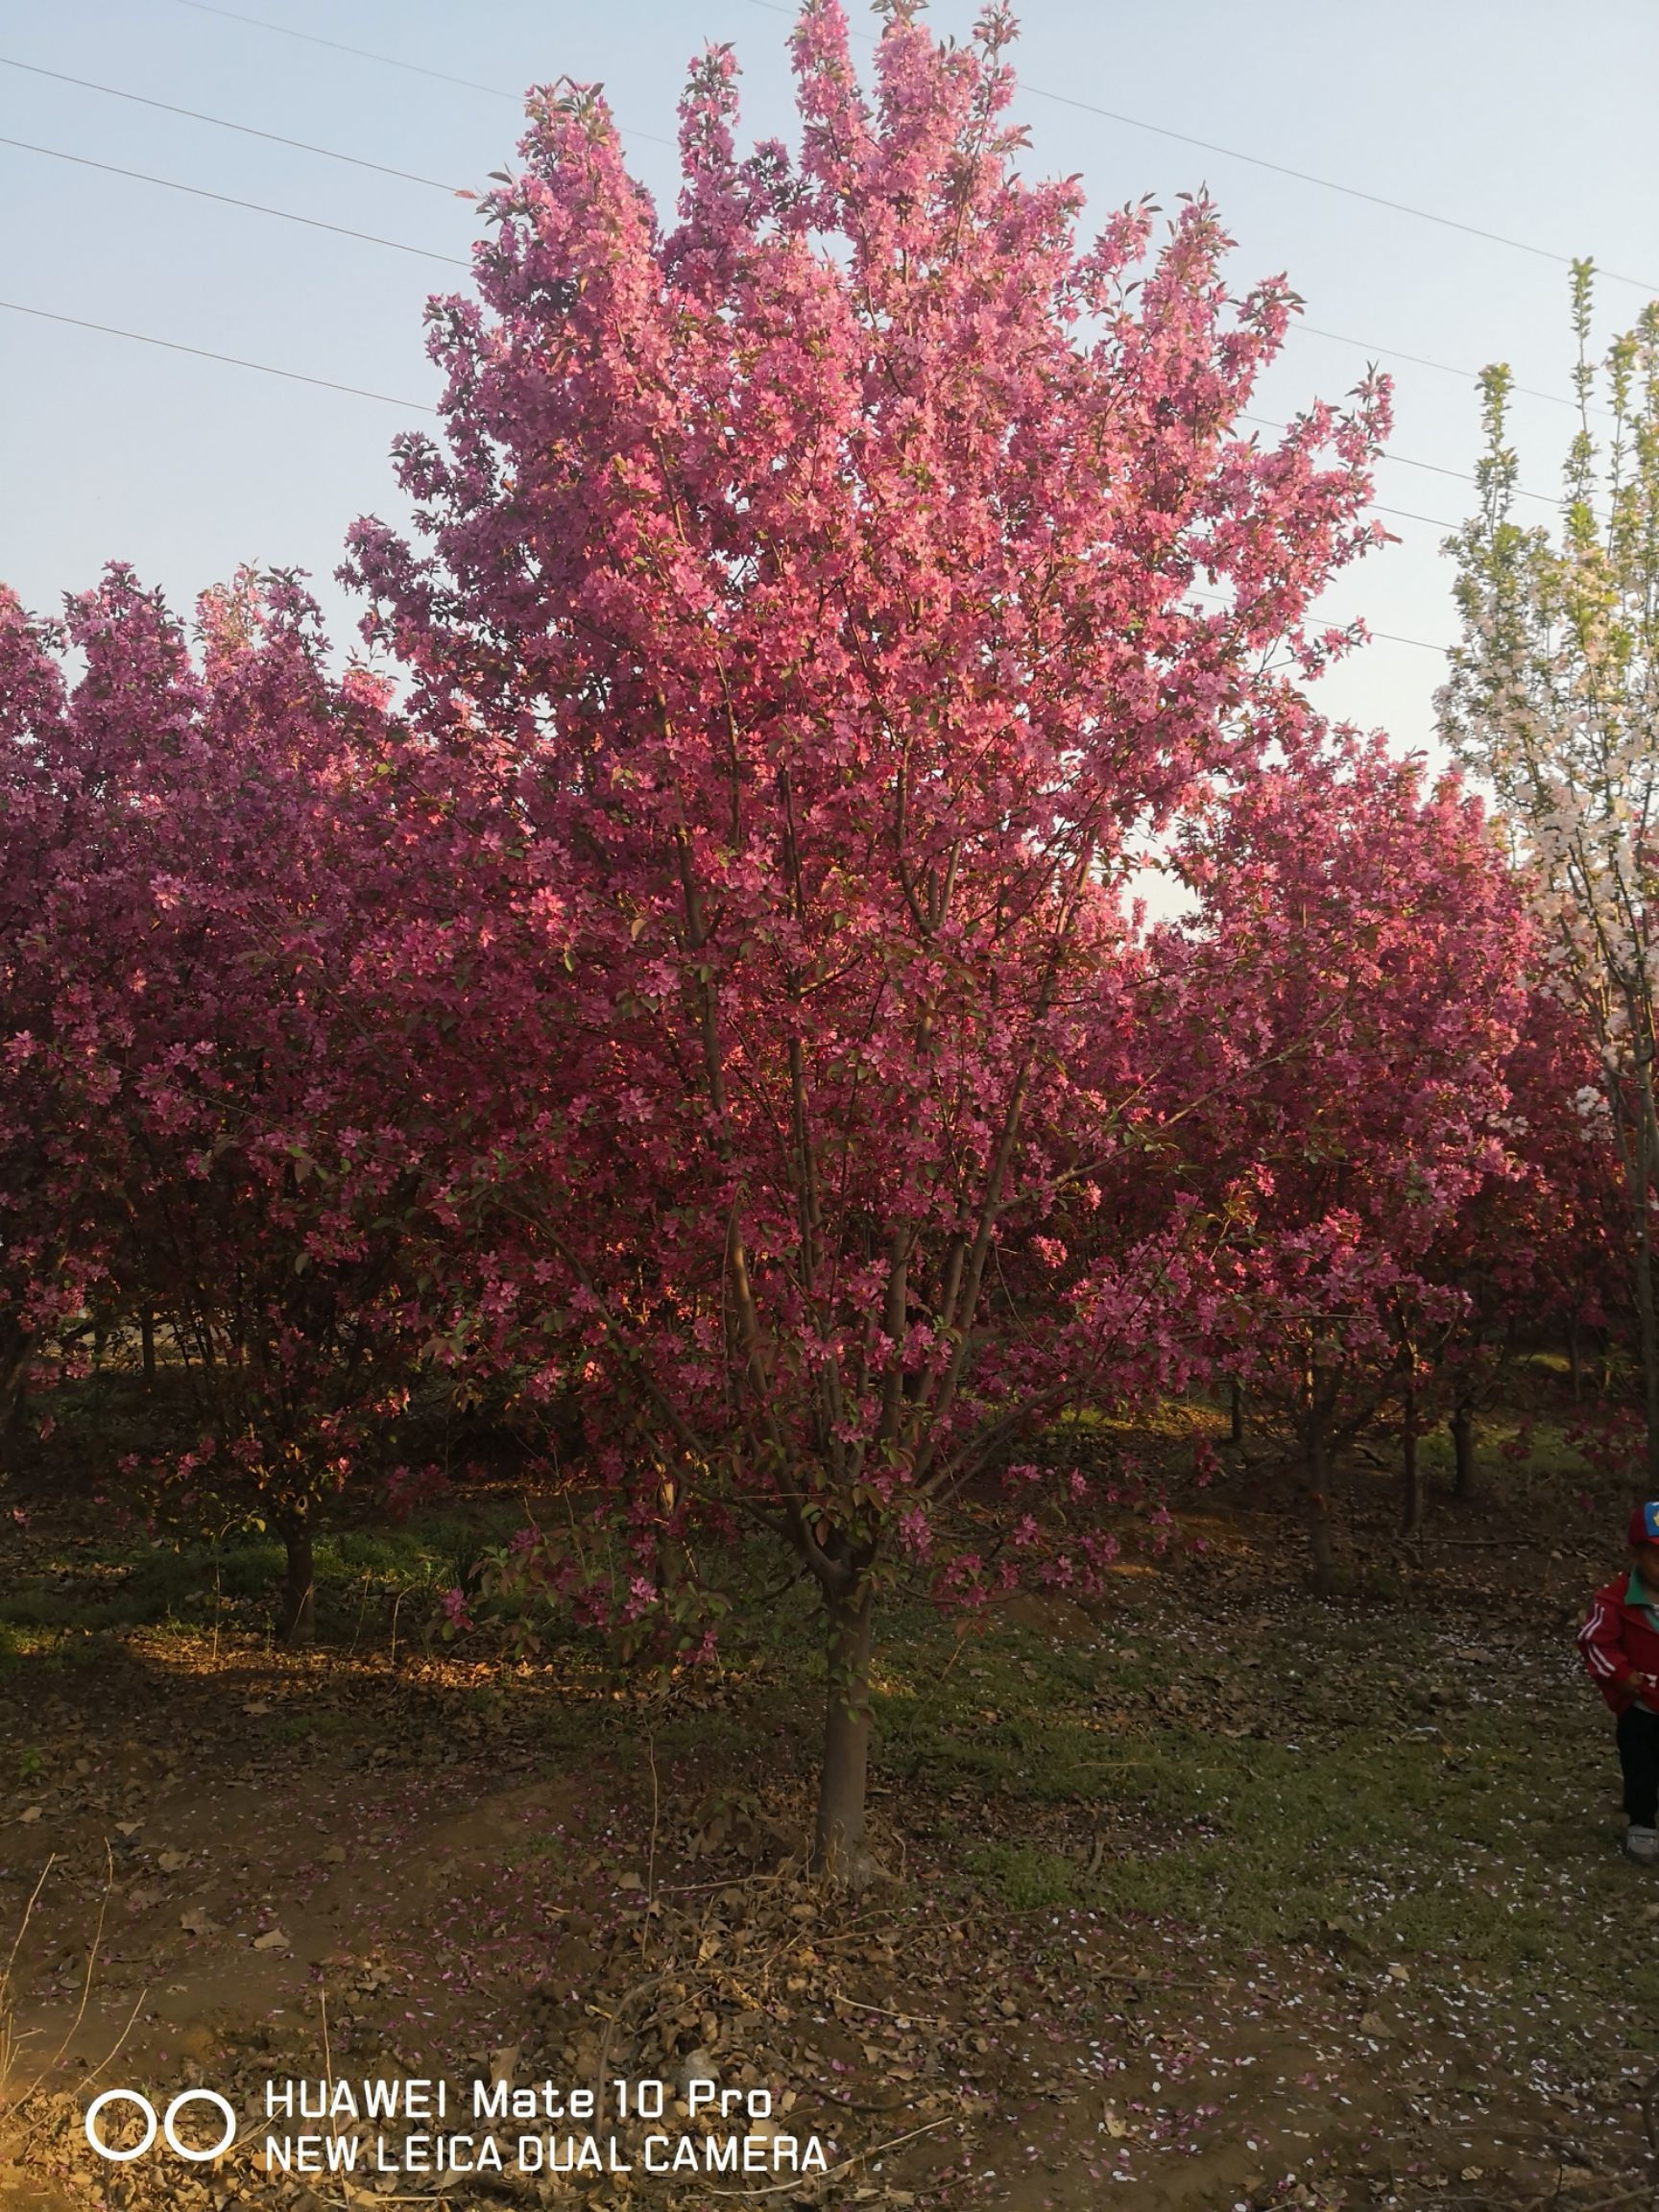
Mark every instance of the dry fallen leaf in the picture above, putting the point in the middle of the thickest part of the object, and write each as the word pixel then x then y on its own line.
pixel 273 1939
pixel 170 1861
pixel 196 1922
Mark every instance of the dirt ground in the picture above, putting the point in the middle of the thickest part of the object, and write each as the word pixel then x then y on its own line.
pixel 1204 1896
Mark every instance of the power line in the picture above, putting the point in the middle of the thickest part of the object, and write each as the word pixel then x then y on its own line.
pixel 358 391
pixel 363 53
pixel 394 62
pixel 390 61
pixel 1330 185
pixel 396 246
pixel 1400 513
pixel 1404 460
pixel 1278 168
pixel 453 261
pixel 291 376
pixel 247 129
pixel 1422 361
pixel 417 406
pixel 463 192
pixel 230 360
pixel 209 8
pixel 1388 637
pixel 224 199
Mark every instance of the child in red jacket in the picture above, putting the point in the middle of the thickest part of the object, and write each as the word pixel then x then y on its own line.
pixel 1620 1647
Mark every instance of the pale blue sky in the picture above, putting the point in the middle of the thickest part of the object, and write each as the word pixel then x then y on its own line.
pixel 1529 119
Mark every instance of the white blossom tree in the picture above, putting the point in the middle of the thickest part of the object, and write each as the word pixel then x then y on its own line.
pixel 1553 701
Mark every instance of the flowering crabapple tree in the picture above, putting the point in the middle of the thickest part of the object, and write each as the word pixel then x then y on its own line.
pixel 172 917
pixel 1535 1247
pixel 1354 973
pixel 59 1154
pixel 263 918
pixel 1554 698
pixel 826 557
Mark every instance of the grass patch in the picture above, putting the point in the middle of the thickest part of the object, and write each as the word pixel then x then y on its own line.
pixel 186 1584
pixel 1026 1879
pixel 1354 1788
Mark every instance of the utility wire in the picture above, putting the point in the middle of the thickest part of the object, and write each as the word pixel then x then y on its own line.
pixel 363 53
pixel 396 246
pixel 420 407
pixel 327 384
pixel 1422 361
pixel 1404 460
pixel 208 8
pixel 1404 515
pixel 224 199
pixel 258 208
pixel 247 129
pixel 1330 185
pixel 394 62
pixel 230 360
pixel 460 192
pixel 1259 161
pixel 390 61
pixel 1390 636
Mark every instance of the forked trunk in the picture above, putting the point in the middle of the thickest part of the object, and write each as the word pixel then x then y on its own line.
pixel 838 1849
pixel 297 1619
pixel 147 1345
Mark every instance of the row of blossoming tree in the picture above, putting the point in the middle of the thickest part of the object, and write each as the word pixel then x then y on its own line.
pixel 704 986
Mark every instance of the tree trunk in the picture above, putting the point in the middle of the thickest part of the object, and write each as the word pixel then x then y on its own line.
pixel 146 1342
pixel 1462 1428
pixel 296 1620
pixel 1236 1412
pixel 1319 1536
pixel 17 1403
pixel 1410 1468
pixel 1575 1361
pixel 839 1846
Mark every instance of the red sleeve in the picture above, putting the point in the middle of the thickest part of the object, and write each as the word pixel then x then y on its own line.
pixel 1601 1640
